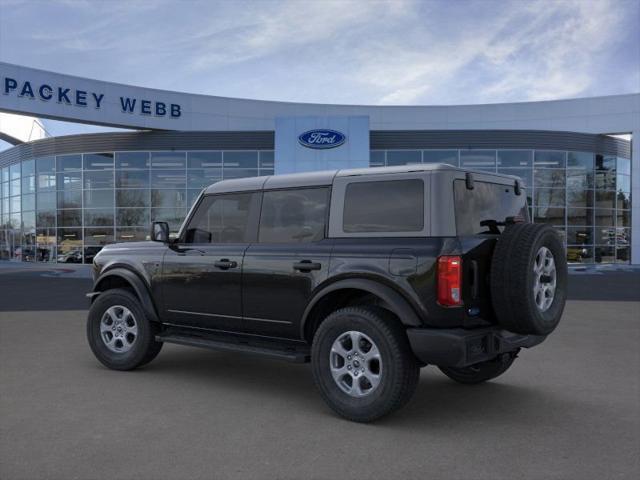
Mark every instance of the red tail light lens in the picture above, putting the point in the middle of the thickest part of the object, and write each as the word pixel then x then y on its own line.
pixel 449 280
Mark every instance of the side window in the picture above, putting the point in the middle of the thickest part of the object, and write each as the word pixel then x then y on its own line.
pixel 384 206
pixel 227 218
pixel 290 216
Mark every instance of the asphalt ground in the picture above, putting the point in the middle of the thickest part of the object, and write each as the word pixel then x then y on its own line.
pixel 568 409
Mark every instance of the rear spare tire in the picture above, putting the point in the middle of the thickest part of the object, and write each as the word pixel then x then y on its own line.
pixel 529 278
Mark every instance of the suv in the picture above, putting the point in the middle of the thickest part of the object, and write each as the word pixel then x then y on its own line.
pixel 369 274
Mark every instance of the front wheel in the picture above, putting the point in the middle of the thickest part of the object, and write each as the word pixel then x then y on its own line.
pixel 362 363
pixel 119 333
pixel 480 372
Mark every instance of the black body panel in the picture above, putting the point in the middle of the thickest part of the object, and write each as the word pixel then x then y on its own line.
pixel 202 286
pixel 278 283
pixel 265 289
pixel 407 265
pixel 139 264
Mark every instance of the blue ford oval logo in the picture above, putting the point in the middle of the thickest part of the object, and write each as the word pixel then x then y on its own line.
pixel 322 138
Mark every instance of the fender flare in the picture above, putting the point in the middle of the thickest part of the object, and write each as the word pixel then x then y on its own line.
pixel 396 302
pixel 138 285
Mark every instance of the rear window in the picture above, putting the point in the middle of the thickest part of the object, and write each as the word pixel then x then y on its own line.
pixel 487 201
pixel 384 206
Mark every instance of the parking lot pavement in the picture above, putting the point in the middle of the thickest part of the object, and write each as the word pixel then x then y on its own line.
pixel 568 409
pixel 30 287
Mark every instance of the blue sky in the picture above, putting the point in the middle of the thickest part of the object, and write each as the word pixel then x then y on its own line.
pixel 366 52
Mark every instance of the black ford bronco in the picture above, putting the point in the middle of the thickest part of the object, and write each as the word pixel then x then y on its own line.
pixel 369 274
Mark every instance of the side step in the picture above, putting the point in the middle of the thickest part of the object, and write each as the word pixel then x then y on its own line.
pixel 279 350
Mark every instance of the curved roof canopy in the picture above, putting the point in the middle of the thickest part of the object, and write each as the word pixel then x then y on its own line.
pixel 44 94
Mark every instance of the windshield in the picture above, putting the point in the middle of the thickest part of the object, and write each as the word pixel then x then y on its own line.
pixel 486 202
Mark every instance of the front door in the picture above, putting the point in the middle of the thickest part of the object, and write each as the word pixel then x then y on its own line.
pixel 202 272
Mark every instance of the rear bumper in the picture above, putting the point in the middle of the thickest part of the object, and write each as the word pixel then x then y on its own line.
pixel 458 347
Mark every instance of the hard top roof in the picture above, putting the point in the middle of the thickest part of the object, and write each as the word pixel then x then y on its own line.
pixel 325 178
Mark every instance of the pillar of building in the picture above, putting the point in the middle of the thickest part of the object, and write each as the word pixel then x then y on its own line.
pixel 635 197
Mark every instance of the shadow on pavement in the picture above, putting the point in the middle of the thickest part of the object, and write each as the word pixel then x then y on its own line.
pixel 437 404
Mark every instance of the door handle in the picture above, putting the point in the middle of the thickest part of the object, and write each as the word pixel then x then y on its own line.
pixel 225 264
pixel 306 266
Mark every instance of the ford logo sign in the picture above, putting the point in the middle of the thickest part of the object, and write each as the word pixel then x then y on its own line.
pixel 322 138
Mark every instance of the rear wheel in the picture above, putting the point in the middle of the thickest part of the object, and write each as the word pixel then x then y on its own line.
pixel 362 363
pixel 480 372
pixel 119 333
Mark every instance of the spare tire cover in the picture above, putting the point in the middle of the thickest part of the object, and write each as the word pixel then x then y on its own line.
pixel 529 278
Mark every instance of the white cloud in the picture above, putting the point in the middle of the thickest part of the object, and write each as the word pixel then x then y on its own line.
pixel 553 55
pixel 532 51
pixel 386 52
pixel 287 26
pixel 404 95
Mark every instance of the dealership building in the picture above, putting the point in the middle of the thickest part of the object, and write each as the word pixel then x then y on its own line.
pixel 63 198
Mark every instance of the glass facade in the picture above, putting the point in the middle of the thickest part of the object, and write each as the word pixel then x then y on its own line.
pixel 586 196
pixel 65 208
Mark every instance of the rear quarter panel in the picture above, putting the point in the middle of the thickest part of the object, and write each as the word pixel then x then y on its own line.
pixel 407 265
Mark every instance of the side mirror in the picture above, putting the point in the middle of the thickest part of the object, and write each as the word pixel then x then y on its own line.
pixel 160 232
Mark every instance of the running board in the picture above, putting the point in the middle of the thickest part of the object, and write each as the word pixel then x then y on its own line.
pixel 230 343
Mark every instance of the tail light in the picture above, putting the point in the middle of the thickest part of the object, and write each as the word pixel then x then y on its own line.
pixel 449 280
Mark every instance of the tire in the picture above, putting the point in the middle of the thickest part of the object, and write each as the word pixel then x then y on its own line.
pixel 480 372
pixel 127 350
pixel 529 279
pixel 397 369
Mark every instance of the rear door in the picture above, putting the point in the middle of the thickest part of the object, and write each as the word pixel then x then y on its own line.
pixel 202 274
pixel 290 258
